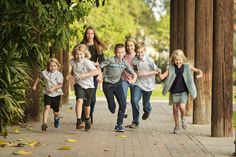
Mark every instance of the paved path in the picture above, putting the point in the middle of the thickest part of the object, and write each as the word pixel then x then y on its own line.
pixel 154 137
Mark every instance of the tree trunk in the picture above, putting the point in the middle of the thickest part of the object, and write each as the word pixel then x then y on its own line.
pixel 65 97
pixel 203 61
pixel 189 42
pixel 32 110
pixel 221 121
pixel 173 25
pixel 180 24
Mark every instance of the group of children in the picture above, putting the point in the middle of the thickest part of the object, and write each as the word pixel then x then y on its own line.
pixel 129 68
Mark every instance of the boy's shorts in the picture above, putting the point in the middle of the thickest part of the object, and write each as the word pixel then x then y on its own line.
pixel 180 98
pixel 53 102
pixel 85 94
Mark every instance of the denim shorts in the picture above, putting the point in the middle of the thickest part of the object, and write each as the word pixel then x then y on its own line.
pixel 180 98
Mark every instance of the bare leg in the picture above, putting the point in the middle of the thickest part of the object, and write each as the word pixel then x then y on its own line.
pixel 45 114
pixel 78 108
pixel 176 114
pixel 87 111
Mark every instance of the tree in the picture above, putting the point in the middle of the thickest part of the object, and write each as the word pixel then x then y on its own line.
pixel 203 61
pixel 221 120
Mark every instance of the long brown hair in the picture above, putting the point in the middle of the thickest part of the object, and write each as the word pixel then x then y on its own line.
pixel 99 45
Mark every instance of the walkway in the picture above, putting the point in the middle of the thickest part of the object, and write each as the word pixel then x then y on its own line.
pixel 153 138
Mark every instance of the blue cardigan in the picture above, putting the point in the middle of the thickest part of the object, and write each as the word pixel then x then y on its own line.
pixel 188 79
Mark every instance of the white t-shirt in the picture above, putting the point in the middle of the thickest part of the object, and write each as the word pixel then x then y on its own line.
pixel 51 80
pixel 82 67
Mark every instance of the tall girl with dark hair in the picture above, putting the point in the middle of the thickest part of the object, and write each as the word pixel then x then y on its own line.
pixel 96 48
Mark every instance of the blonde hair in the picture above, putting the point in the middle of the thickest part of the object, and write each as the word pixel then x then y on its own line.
pixel 83 48
pixel 53 60
pixel 178 54
pixel 139 45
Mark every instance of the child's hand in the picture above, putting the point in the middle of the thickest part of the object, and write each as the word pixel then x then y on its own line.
pixel 68 77
pixel 131 81
pixel 200 74
pixel 50 90
pixel 80 77
pixel 99 78
pixel 34 88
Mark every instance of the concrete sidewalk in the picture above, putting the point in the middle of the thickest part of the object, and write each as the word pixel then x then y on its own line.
pixel 154 137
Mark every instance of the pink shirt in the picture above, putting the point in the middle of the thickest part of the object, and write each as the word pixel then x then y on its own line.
pixel 126 75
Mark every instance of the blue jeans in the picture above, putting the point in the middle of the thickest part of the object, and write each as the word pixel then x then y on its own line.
pixel 125 85
pixel 138 93
pixel 93 101
pixel 110 90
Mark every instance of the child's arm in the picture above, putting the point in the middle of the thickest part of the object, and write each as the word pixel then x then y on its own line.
pixel 143 73
pixel 132 81
pixel 70 75
pixel 55 88
pixel 164 75
pixel 200 74
pixel 35 83
pixel 99 78
pixel 88 74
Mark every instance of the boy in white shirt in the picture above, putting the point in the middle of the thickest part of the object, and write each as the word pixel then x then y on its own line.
pixel 52 96
pixel 83 69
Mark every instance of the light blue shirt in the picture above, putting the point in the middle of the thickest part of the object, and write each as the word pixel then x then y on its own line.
pixel 146 83
pixel 113 68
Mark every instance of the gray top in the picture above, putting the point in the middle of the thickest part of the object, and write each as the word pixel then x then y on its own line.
pixel 146 83
pixel 51 80
pixel 188 79
pixel 82 67
pixel 113 68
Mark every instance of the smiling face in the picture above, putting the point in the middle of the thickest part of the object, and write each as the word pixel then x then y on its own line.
pixel 53 67
pixel 178 61
pixel 120 52
pixel 79 55
pixel 130 47
pixel 140 52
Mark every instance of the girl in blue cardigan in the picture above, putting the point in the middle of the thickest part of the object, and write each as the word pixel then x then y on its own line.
pixel 179 82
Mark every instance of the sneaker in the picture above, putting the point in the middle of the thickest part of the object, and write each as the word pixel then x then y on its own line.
pixel 57 122
pixel 126 116
pixel 79 124
pixel 44 127
pixel 87 125
pixel 176 129
pixel 184 124
pixel 145 115
pixel 133 125
pixel 119 128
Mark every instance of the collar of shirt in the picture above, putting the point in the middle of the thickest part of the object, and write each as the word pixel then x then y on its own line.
pixel 144 58
pixel 118 60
